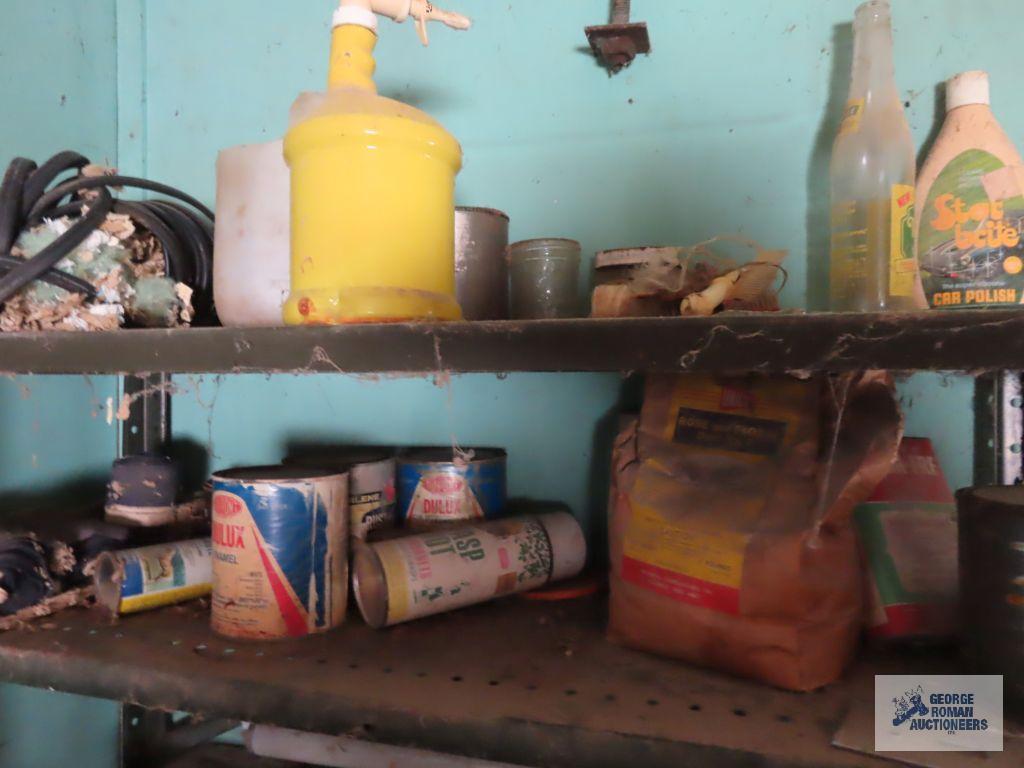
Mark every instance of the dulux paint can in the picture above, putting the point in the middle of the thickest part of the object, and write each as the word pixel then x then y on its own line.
pixel 371 484
pixel 280 551
pixel 436 487
pixel 132 580
pixel 414 576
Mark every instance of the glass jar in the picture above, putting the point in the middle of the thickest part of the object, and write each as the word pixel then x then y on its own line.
pixel 544 278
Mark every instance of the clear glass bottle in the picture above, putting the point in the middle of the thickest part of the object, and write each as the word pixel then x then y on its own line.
pixel 873 264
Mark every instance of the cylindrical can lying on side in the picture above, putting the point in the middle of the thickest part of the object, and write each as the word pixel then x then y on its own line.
pixel 408 578
pixel 371 484
pixel 436 487
pixel 991 527
pixel 280 551
pixel 132 580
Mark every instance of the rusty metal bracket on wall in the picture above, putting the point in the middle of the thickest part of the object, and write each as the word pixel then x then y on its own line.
pixel 616 45
pixel 999 429
pixel 151 738
pixel 148 426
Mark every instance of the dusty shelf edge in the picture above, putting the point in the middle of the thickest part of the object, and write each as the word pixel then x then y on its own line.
pixel 94 658
pixel 967 340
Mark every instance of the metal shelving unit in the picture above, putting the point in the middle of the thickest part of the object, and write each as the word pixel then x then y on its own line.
pixel 969 340
pixel 516 681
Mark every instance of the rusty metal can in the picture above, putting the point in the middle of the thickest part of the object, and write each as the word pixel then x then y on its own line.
pixel 991 527
pixel 132 580
pixel 436 487
pixel 280 551
pixel 481 263
pixel 371 484
pixel 415 576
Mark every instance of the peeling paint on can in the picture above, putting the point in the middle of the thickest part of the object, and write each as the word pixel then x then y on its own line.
pixel 371 484
pixel 280 551
pixel 435 488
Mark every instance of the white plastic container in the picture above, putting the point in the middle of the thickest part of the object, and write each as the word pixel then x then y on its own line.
pixel 251 259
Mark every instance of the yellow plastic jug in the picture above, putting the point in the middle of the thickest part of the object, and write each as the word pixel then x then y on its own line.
pixel 373 189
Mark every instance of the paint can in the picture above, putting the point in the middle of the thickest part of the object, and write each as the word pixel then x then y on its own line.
pixel 280 551
pixel 408 578
pixel 991 529
pixel 132 580
pixel 371 484
pixel 436 487
pixel 142 491
pixel 481 263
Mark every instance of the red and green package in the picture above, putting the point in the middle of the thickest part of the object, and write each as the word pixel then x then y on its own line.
pixel 908 537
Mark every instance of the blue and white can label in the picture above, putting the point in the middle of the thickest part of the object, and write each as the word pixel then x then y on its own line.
pixel 435 489
pixel 280 552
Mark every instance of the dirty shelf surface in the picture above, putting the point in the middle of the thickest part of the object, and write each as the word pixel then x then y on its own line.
pixel 516 681
pixel 964 340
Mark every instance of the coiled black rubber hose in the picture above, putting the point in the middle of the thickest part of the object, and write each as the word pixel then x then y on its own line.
pixel 185 232
pixel 24 573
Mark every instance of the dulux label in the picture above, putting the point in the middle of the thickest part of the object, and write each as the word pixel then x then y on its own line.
pixel 433 492
pixel 280 566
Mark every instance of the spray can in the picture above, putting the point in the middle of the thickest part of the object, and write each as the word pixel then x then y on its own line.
pixel 416 576
pixel 140 579
pixel 280 551
pixel 437 488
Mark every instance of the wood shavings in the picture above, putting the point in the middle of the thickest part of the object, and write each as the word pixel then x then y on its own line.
pixel 28 311
pixel 48 607
pixel 62 559
pixel 94 170
pixel 184 294
pixel 118 225
pixel 147 255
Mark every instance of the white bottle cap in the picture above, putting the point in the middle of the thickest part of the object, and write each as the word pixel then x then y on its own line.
pixel 967 88
pixel 354 14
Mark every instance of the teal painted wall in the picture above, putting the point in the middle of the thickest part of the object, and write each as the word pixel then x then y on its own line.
pixel 725 128
pixel 58 87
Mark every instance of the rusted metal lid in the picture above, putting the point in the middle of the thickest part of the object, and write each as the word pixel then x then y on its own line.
pixel 341 457
pixel 447 455
pixel 275 474
pixel 634 257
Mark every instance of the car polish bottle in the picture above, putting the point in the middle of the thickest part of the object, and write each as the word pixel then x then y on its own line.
pixel 971 206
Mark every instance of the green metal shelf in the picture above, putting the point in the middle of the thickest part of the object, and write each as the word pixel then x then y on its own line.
pixel 517 681
pixel 966 340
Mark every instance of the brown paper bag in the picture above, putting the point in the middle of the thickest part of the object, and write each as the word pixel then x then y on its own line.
pixel 731 536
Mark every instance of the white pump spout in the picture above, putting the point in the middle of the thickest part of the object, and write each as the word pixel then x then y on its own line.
pixel 362 12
